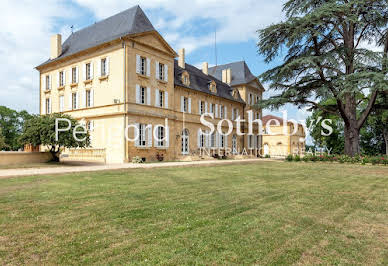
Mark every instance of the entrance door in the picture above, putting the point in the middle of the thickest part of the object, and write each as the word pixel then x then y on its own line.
pixel 185 142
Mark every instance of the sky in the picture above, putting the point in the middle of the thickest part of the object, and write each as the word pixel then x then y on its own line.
pixel 191 24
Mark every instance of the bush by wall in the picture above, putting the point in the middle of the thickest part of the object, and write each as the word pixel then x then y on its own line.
pixel 359 159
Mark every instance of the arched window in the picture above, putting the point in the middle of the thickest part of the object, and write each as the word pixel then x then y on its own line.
pixel 185 142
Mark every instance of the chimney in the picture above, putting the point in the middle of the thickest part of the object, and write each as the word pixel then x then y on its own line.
pixel 228 76
pixel 181 60
pixel 56 46
pixel 224 74
pixel 205 68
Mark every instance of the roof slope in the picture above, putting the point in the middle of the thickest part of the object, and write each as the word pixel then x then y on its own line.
pixel 241 74
pixel 130 21
pixel 199 82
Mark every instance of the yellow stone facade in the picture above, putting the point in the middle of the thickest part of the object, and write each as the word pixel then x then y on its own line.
pixel 104 88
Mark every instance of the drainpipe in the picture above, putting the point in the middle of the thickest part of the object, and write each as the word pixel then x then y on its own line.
pixel 125 97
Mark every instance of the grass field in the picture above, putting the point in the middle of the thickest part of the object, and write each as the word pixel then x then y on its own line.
pixel 264 213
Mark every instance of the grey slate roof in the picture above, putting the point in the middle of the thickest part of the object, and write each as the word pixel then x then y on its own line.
pixel 130 21
pixel 199 82
pixel 240 72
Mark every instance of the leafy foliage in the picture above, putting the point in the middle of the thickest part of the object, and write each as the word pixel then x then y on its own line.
pixel 11 123
pixel 2 140
pixel 325 58
pixel 40 130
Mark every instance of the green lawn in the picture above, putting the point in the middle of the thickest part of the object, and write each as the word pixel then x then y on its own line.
pixel 264 213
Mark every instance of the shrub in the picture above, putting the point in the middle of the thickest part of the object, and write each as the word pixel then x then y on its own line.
pixel 297 158
pixel 267 156
pixel 289 158
pixel 137 159
pixel 159 157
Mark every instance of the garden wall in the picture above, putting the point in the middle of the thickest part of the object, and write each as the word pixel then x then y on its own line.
pixel 7 158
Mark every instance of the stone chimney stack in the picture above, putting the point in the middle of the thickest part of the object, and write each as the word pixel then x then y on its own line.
pixel 205 68
pixel 56 46
pixel 228 76
pixel 181 59
pixel 224 74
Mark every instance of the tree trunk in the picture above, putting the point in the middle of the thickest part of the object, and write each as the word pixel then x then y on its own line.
pixel 386 140
pixel 55 154
pixel 352 140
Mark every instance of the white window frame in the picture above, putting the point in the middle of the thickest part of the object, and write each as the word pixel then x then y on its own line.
pixel 142 141
pixel 185 104
pixel 74 100
pixel 74 75
pixel 88 98
pixel 143 95
pixel 161 134
pixel 48 80
pixel 48 106
pixel 185 142
pixel 103 67
pixel 161 96
pixel 61 103
pixel 161 71
pixel 61 78
pixel 88 73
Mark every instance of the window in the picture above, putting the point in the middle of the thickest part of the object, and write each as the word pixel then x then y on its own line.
pixel 234 113
pixel 222 141
pixel 88 126
pixel 212 109
pixel 142 135
pixel 185 104
pixel 202 139
pixel 143 95
pixel 234 144
pixel 222 111
pixel 185 142
pixel 161 135
pixel 213 140
pixel 161 71
pixel 202 107
pixel 61 79
pixel 74 75
pixel 103 67
pixel 74 101
pixel 250 141
pixel 61 103
pixel 48 107
pixel 47 82
pixel 88 98
pixel 257 98
pixel 143 65
pixel 161 98
pixel 258 141
pixel 88 73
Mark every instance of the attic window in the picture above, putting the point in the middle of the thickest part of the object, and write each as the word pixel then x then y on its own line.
pixel 235 94
pixel 186 78
pixel 212 86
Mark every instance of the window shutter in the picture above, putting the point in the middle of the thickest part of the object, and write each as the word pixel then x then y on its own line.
pixel 91 98
pixel 166 99
pixel 44 107
pixel 148 67
pixel 137 132
pixel 199 107
pixel 70 103
pixel 64 77
pixel 157 99
pixel 138 64
pixel 76 74
pixel 82 97
pixel 182 104
pixel 61 103
pixel 226 141
pixel 149 135
pixel 44 83
pixel 99 68
pixel 91 125
pixel 216 114
pixel 226 113
pixel 91 70
pixel 165 73
pixel 137 93
pixel 237 113
pixel 232 113
pixel 254 141
pixel 167 129
pixel 189 105
pixel 205 107
pixel 49 101
pixel 199 138
pixel 58 77
pixel 149 96
pixel 77 98
pixel 84 71
pixel 221 112
pixel 157 70
pixel 207 139
pixel 107 62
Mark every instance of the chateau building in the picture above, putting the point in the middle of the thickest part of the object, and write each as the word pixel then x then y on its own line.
pixel 119 76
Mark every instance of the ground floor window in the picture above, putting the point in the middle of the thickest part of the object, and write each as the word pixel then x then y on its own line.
pixel 161 135
pixel 142 135
pixel 185 142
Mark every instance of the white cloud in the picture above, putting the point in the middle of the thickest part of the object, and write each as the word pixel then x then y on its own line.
pixel 236 21
pixel 24 37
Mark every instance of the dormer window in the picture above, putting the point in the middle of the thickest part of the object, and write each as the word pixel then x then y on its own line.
pixel 212 86
pixel 186 78
pixel 235 94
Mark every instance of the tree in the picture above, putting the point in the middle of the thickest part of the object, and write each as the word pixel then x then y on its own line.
pixel 325 58
pixel 2 140
pixel 11 123
pixel 40 130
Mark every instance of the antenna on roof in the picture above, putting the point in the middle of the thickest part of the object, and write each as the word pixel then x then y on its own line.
pixel 72 28
pixel 215 43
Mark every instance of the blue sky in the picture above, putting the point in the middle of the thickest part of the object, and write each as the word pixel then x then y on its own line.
pixel 190 24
